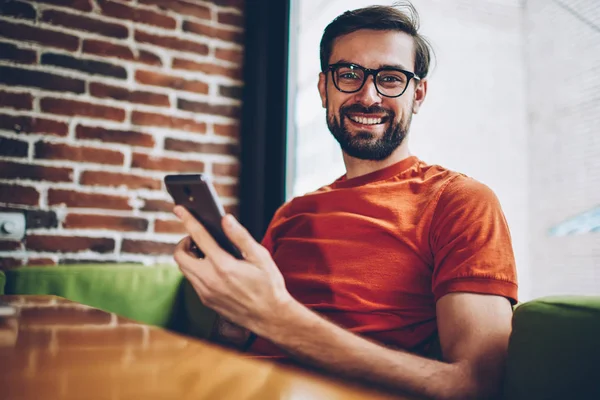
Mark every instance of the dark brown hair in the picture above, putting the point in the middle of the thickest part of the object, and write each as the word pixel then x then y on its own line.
pixel 380 18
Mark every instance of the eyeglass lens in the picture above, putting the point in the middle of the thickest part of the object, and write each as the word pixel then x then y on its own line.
pixel 389 82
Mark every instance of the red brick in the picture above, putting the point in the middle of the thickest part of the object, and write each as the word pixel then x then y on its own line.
pixel 227 130
pixel 84 65
pixel 33 34
pixel 13 147
pixel 137 15
pixel 230 18
pixel 11 52
pixel 157 206
pixel 233 210
pixel 151 119
pixel 10 245
pixel 180 7
pixel 146 161
pixel 212 32
pixel 87 200
pixel 239 4
pixel 171 43
pixel 84 23
pixel 187 146
pixel 14 194
pixel 81 108
pixel 233 92
pixel 82 5
pixel 106 49
pixel 60 151
pixel 17 9
pixel 18 101
pixel 207 68
pixel 226 190
pixel 106 135
pixel 13 170
pixel 33 125
pixel 94 221
pixel 7 263
pixel 146 247
pixel 202 107
pixel 226 170
pixel 114 179
pixel 13 76
pixel 41 219
pixel 163 226
pixel 171 82
pixel 35 262
pixel 118 93
pixel 232 55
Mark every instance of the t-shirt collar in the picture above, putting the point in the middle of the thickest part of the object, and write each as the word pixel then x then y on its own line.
pixel 379 175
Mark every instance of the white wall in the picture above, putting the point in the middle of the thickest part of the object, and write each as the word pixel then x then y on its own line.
pixel 473 121
pixel 563 42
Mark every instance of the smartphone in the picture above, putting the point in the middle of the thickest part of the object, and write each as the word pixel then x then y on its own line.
pixel 198 195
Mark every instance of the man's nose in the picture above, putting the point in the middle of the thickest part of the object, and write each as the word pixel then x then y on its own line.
pixel 368 94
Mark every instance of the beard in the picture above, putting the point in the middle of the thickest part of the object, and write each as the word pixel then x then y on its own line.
pixel 363 144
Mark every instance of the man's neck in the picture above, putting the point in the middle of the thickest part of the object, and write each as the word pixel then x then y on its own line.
pixel 356 167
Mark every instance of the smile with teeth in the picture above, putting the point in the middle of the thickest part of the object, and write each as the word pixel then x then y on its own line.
pixel 366 121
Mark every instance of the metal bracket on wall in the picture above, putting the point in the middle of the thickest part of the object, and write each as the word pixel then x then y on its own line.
pixel 12 226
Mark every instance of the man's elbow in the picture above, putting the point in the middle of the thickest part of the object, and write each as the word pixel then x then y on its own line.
pixel 475 383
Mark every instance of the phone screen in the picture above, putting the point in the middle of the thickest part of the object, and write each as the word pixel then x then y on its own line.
pixel 197 194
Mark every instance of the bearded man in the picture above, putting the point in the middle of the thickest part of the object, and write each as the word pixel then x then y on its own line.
pixel 399 272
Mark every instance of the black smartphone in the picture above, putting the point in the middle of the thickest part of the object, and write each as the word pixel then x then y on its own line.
pixel 198 195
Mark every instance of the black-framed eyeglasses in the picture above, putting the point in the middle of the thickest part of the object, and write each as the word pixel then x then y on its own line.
pixel 389 81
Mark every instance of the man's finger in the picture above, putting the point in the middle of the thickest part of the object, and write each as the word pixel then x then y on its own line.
pixel 241 238
pixel 201 237
pixel 184 245
pixel 198 271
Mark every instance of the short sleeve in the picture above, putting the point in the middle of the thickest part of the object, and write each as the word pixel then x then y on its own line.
pixel 268 239
pixel 471 243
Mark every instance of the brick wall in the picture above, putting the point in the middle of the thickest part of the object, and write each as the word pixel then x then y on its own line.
pixel 98 101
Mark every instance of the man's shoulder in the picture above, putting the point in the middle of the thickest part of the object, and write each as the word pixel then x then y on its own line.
pixel 460 186
pixel 452 182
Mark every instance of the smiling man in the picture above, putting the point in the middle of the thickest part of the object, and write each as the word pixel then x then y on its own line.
pixel 399 273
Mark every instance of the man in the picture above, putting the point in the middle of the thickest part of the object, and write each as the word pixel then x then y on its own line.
pixel 364 277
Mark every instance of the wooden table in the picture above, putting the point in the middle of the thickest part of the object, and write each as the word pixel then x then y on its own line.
pixel 57 348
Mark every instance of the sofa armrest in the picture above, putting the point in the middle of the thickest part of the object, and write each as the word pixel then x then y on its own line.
pixel 554 349
pixel 151 295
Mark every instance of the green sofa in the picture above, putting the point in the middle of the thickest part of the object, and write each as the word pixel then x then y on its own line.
pixel 157 295
pixel 554 349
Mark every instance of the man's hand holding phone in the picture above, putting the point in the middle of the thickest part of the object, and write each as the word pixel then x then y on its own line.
pixel 250 292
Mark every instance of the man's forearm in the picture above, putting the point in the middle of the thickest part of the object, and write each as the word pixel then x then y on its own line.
pixel 324 344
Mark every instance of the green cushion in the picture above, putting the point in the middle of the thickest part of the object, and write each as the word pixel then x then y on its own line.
pixel 198 318
pixel 146 294
pixel 2 282
pixel 156 295
pixel 554 350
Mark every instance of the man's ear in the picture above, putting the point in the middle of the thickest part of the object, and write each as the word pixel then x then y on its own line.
pixel 322 85
pixel 420 93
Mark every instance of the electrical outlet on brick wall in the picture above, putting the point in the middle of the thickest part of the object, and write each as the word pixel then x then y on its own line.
pixel 12 225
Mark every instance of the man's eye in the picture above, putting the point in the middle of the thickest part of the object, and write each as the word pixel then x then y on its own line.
pixel 391 79
pixel 349 75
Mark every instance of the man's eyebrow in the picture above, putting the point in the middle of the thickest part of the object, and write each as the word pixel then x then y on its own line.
pixel 395 66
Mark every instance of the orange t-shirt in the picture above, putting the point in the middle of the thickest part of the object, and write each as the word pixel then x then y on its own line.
pixel 374 253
